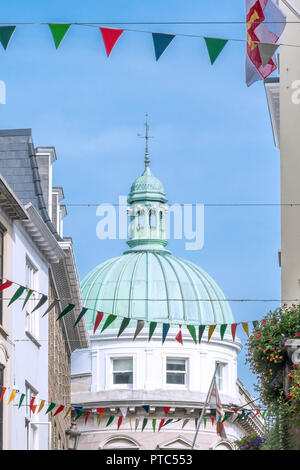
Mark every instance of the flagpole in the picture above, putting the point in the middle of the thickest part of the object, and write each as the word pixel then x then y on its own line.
pixel 205 405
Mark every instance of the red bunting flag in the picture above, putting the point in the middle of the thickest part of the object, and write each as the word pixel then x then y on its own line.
pixel 32 407
pixel 233 330
pixel 59 410
pixel 5 285
pixel 110 37
pixel 161 424
pixel 166 409
pixel 212 420
pixel 2 393
pixel 120 421
pixel 87 414
pixel 179 336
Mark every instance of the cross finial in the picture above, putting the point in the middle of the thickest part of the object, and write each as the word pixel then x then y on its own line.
pixel 146 137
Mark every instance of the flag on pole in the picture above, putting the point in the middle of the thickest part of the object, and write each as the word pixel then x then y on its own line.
pixel 265 24
pixel 216 403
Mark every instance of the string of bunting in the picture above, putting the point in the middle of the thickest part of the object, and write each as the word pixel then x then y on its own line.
pixel 36 405
pixel 110 318
pixel 161 41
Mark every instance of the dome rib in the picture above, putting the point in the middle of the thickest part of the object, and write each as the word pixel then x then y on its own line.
pixel 130 299
pixel 166 285
pixel 179 285
pixel 115 300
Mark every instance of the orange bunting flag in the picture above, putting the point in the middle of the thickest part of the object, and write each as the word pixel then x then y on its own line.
pixel 120 421
pixel 110 37
pixel 100 413
pixel 12 396
pixel 42 404
pixel 68 412
pixel 246 327
pixel 59 410
pixel 233 330
pixel 210 331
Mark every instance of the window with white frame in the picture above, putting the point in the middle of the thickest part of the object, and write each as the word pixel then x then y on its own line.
pixel 176 371
pixel 220 376
pixel 122 369
pixel 32 319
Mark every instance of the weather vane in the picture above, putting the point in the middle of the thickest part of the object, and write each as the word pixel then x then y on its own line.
pixel 146 137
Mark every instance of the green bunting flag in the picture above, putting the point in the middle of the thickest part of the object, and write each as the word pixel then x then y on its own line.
pixel 17 294
pixel 153 424
pixel 124 325
pixel 6 33
pixel 58 32
pixel 65 311
pixel 108 321
pixel 21 399
pixel 215 47
pixel 145 421
pixel 41 302
pixel 263 414
pixel 50 407
pixel 204 421
pixel 201 331
pixel 29 293
pixel 110 420
pixel 225 418
pixel 152 327
pixel 161 42
pixel 192 331
pixel 222 330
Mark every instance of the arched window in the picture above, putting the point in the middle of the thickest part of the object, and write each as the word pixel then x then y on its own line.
pixel 141 219
pixel 121 442
pixel 152 218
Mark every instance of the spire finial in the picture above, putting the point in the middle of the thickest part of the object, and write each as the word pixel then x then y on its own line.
pixel 146 137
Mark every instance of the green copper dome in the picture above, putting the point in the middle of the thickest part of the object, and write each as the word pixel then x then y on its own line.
pixel 147 188
pixel 154 286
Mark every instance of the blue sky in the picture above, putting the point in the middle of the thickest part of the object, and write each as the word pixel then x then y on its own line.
pixel 213 139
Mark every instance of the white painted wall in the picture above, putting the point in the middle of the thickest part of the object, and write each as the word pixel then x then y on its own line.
pixel 30 358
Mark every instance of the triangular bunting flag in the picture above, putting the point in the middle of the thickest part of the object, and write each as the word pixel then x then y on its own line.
pixel 215 47
pixel 58 32
pixel 136 423
pixel 79 410
pixel 32 407
pixel 100 412
pixel 179 336
pixel 162 423
pixel 222 330
pixel 196 422
pixel 12 396
pixel 68 412
pixel 204 421
pixel 246 327
pixel 225 418
pixel 82 313
pixel 161 42
pixel 166 409
pixel 124 410
pixel 21 400
pixel 201 331
pixel 233 330
pixel 145 421
pixel 110 37
pixel 124 324
pixel 98 320
pixel 5 285
pixel 53 304
pixel 110 420
pixel 210 331
pixel 87 414
pixel 6 33
pixel 17 294
pixel 146 408
pixel 263 414
pixel 166 327
pixel 108 321
pixel 168 421
pixel 152 327
pixel 212 420
pixel 29 293
pixel 139 327
pixel 185 422
pixel 59 410
pixel 192 331
pixel 2 393
pixel 65 311
pixel 120 419
pixel 42 404
pixel 130 422
pixel 266 52
pixel 50 407
pixel 41 302
pixel 153 424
